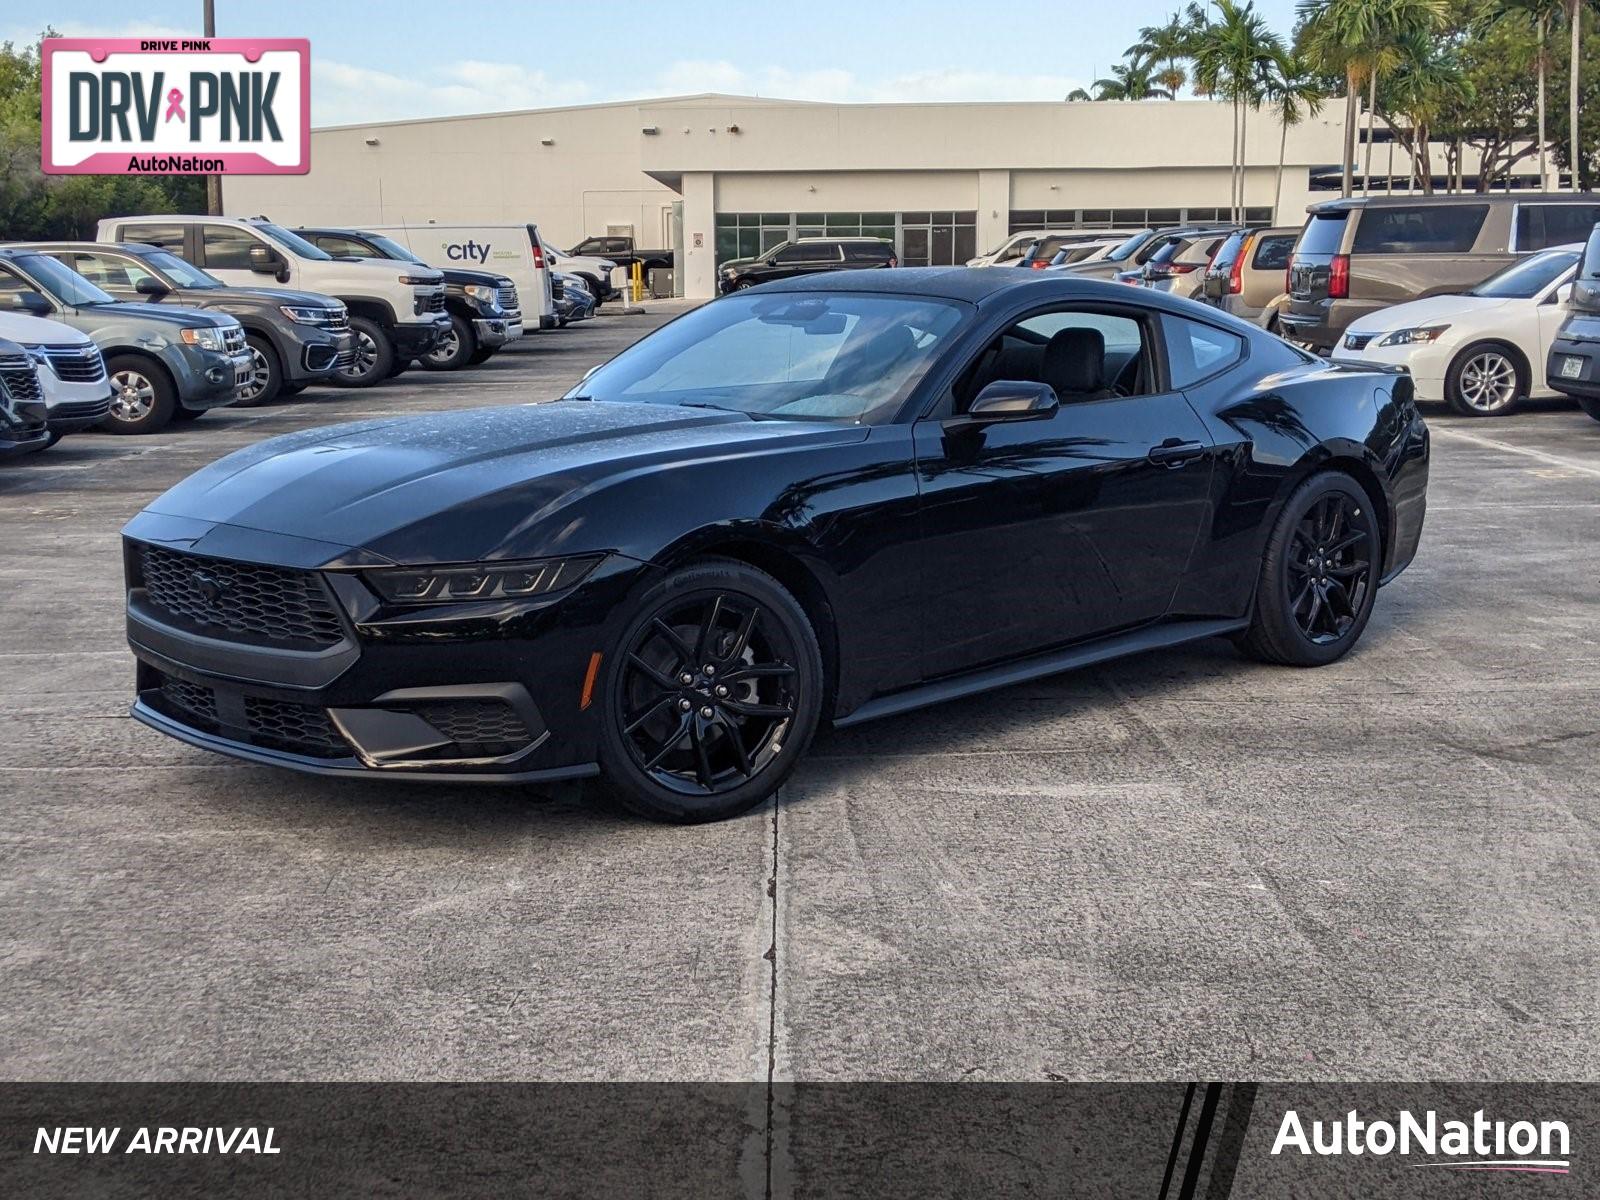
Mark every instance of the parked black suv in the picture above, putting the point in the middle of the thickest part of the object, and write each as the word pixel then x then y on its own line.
pixel 24 426
pixel 806 256
pixel 485 313
pixel 296 339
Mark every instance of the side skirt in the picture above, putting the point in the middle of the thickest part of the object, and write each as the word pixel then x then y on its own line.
pixel 1148 637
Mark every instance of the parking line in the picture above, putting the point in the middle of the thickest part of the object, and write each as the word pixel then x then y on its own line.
pixel 1552 459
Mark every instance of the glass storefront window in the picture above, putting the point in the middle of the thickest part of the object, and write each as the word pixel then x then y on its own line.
pixel 920 238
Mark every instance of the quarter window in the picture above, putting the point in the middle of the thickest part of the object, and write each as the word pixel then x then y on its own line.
pixel 168 237
pixel 1420 229
pixel 1540 226
pixel 1273 253
pixel 1196 351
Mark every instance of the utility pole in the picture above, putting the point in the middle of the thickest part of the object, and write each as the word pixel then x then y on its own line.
pixel 213 182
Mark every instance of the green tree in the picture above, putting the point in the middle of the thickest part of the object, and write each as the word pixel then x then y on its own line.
pixel 1428 80
pixel 1294 94
pixel 1540 14
pixel 1576 147
pixel 1233 58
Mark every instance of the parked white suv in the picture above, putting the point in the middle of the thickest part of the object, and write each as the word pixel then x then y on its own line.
pixel 72 376
pixel 397 310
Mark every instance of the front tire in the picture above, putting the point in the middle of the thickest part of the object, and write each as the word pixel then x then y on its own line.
pixel 482 355
pixel 143 398
pixel 711 695
pixel 266 378
pixel 374 357
pixel 1487 379
pixel 1590 405
pixel 456 350
pixel 1319 575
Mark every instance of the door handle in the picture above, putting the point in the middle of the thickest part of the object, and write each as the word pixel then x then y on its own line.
pixel 1175 452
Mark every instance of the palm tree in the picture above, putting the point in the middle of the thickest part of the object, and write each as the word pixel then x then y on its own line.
pixel 1541 13
pixel 1575 22
pixel 1424 84
pixel 1167 45
pixel 1130 80
pixel 1360 40
pixel 1233 57
pixel 1294 95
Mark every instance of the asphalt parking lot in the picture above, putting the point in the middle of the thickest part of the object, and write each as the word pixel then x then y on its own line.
pixel 1184 865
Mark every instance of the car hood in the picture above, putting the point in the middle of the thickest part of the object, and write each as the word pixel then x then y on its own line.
pixel 737 262
pixel 251 295
pixel 481 278
pixel 1435 310
pixel 175 315
pixel 470 485
pixel 39 331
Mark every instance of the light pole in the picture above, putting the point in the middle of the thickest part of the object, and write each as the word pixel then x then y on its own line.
pixel 213 182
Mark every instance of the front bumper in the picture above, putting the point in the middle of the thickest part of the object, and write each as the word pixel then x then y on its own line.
pixel 414 339
pixel 24 431
pixel 1426 363
pixel 486 692
pixel 214 378
pixel 70 406
pixel 1586 381
pixel 322 353
pixel 493 332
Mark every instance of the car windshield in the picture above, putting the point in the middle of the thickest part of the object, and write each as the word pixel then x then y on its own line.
pixel 62 282
pixel 290 241
pixel 1526 279
pixel 835 356
pixel 185 275
pixel 393 248
pixel 1127 248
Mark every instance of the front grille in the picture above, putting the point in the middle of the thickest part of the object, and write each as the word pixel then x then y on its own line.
pixel 433 303
pixel 247 600
pixel 78 409
pixel 345 358
pixel 272 724
pixel 20 376
pixel 507 297
pixel 479 728
pixel 74 364
pixel 1357 341
pixel 339 319
pixel 233 339
pixel 298 728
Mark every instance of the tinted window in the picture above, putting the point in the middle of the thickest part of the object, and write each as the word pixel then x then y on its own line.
pixel 1126 249
pixel 168 237
pixel 1196 351
pixel 868 252
pixel 1423 229
pixel 1228 252
pixel 1323 234
pixel 61 281
pixel 342 246
pixel 1273 253
pixel 808 252
pixel 227 249
pixel 1540 226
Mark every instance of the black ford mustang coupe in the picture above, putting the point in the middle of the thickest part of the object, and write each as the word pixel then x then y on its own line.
pixel 829 499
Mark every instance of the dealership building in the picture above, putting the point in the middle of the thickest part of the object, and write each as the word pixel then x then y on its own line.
pixel 717 176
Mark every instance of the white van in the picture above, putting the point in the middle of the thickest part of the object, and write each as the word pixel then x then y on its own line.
pixel 512 250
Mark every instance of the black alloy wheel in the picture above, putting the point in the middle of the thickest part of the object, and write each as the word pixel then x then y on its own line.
pixel 1319 575
pixel 712 696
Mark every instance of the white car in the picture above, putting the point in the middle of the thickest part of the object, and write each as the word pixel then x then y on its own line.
pixel 1481 351
pixel 72 376
pixel 595 272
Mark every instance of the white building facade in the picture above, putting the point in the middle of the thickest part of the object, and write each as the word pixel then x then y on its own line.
pixel 716 177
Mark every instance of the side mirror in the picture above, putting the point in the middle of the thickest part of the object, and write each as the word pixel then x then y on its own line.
pixel 264 260
pixel 1008 400
pixel 32 303
pixel 149 285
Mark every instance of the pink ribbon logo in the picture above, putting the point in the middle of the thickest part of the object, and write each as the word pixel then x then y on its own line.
pixel 175 105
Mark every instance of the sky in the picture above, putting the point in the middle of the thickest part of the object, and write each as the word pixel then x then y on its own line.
pixel 376 61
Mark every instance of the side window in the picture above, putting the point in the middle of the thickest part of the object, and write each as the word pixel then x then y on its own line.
pixel 227 249
pixel 168 237
pixel 1083 354
pixel 1540 226
pixel 1420 229
pixel 107 270
pixel 10 285
pixel 1196 351
pixel 798 253
pixel 867 252
pixel 340 246
pixel 1273 253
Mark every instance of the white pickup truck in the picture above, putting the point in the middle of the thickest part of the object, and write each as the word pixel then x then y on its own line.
pixel 397 310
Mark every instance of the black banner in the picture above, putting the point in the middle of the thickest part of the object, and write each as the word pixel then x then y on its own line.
pixel 1172 1141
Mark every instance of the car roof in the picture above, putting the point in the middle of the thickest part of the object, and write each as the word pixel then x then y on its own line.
pixel 86 244
pixel 840 238
pixel 979 285
pixel 1355 203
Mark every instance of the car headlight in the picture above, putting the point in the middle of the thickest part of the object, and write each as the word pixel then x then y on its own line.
pixel 309 315
pixel 1415 336
pixel 209 338
pixel 484 294
pixel 418 280
pixel 491 581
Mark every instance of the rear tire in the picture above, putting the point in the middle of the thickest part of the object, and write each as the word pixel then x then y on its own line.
pixel 374 356
pixel 456 351
pixel 1319 575
pixel 1487 379
pixel 143 398
pixel 1590 405
pixel 267 382
pixel 723 742
pixel 482 355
